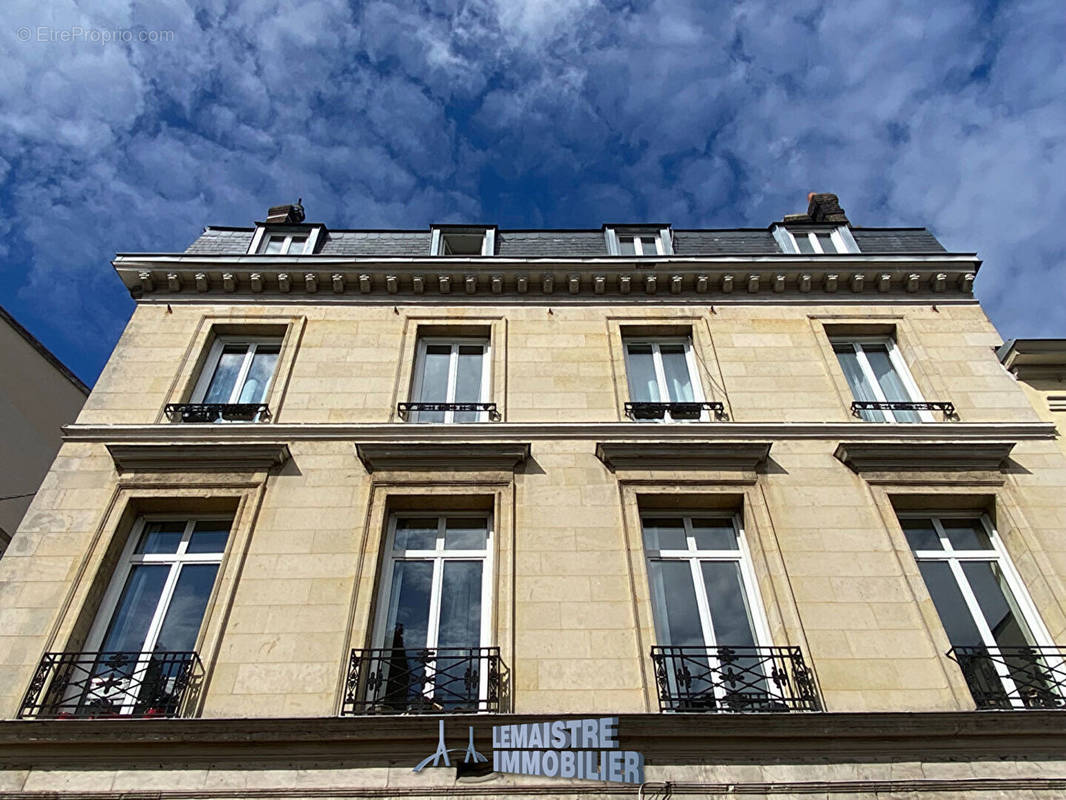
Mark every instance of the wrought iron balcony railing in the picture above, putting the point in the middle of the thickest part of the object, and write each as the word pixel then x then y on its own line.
pixel 433 412
pixel 68 685
pixel 1014 677
pixel 675 410
pixel 217 412
pixel 860 406
pixel 734 679
pixel 442 680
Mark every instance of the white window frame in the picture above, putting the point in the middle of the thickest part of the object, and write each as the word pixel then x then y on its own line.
pixel 694 556
pixel 898 364
pixel 998 555
pixel 453 367
pixel 660 374
pixel 215 355
pixel 438 235
pixel 263 233
pixel 437 556
pixel 128 560
pixel 841 237
pixel 664 245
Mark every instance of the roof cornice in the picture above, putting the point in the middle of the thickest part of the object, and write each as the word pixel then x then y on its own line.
pixel 188 277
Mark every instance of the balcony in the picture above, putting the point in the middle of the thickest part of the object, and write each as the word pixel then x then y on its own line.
pixel 860 406
pixel 677 411
pixel 734 679
pixel 95 685
pixel 445 412
pixel 1014 677
pixel 443 680
pixel 217 412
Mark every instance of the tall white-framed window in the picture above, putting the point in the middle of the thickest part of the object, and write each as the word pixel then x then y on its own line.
pixel 815 241
pixel 436 596
pixel 704 596
pixel 986 612
pixel 152 612
pixel 238 370
pixel 451 372
pixel 876 371
pixel 663 370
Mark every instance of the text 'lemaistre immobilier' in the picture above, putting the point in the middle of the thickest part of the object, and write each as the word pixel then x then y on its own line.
pixel 572 748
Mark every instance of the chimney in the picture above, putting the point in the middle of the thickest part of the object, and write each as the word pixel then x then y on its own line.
pixel 825 207
pixel 286 215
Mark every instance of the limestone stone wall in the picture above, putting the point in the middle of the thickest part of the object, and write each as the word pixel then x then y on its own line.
pixel 571 609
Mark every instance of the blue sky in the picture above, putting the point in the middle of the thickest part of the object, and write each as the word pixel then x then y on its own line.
pixel 526 113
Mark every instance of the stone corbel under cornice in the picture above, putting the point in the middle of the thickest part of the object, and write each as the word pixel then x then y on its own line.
pixel 766 278
pixel 932 462
pixel 200 456
pixel 434 456
pixel 740 459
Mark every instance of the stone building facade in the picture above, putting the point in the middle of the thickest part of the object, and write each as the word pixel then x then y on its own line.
pixel 38 396
pixel 764 499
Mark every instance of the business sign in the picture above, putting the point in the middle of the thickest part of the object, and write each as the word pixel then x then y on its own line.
pixel 585 749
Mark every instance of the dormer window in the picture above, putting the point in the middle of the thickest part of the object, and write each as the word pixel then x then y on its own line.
pixel 810 241
pixel 286 240
pixel 283 244
pixel 643 241
pixel 463 241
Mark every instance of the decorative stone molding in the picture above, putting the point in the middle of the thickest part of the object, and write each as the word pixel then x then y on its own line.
pixel 211 456
pixel 435 456
pixel 719 456
pixel 935 462
pixel 762 277
pixel 866 432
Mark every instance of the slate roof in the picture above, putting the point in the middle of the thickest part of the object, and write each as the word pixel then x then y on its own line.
pixel 547 243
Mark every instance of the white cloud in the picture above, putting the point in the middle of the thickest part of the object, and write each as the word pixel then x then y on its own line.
pixel 569 112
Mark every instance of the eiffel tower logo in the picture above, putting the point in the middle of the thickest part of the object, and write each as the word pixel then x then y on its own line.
pixel 471 755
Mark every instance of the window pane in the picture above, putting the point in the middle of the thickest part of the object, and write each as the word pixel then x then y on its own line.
pixel 296 246
pixel 259 374
pixel 408 618
pixel 434 386
pixel 921 535
pixel 626 246
pixel 730 614
pixel 208 537
pixel 460 605
pixel 966 534
pixel 229 365
pixel 182 621
pixel 416 533
pixel 803 242
pixel 997 603
pixel 954 614
pixel 889 380
pixel 675 367
pixel 468 379
pixel 677 617
pixel 274 245
pixel 826 241
pixel 664 533
pixel 714 534
pixel 860 386
pixel 135 609
pixel 465 534
pixel 161 537
pixel 643 386
pixel 647 244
